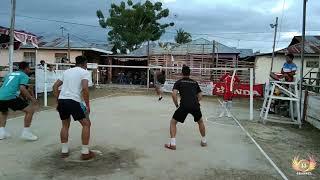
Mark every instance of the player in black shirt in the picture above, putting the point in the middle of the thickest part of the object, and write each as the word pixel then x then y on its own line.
pixel 191 95
pixel 160 79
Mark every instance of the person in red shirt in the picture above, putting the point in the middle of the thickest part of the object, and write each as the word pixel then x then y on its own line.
pixel 229 82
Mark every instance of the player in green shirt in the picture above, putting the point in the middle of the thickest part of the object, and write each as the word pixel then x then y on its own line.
pixel 14 83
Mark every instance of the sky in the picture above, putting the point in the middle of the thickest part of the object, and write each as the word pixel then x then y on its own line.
pixel 236 23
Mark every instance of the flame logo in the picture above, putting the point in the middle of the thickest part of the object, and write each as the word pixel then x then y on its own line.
pixel 304 165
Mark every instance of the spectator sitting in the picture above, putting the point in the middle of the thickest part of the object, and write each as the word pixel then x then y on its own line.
pixel 121 78
pixel 64 61
pixel 41 65
pixel 288 70
pixel 51 69
pixel 143 78
pixel 129 77
pixel 136 80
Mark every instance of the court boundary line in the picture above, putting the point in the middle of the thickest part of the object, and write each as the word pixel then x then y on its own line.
pixel 259 147
pixel 228 125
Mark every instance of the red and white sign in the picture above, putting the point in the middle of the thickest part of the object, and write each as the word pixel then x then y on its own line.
pixel 242 90
pixel 209 88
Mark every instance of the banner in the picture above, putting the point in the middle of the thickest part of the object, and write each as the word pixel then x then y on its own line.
pixel 243 90
pixel 52 77
pixel 209 88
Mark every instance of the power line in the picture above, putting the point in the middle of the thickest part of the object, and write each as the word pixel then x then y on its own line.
pixel 237 39
pixel 171 32
pixel 58 21
pixel 282 16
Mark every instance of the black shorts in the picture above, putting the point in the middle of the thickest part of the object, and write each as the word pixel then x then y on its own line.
pixel 13 104
pixel 181 114
pixel 68 107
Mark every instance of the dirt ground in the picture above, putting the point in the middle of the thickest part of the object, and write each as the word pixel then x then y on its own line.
pixel 284 142
pixel 130 128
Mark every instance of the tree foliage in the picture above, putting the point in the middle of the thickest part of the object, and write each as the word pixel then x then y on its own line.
pixel 132 24
pixel 182 37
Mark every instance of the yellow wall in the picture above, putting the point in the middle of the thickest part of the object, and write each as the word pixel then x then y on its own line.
pixel 47 55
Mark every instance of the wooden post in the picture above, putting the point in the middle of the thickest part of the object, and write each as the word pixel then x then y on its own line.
pixel 109 70
pixel 11 43
pixel 251 94
pixel 305 106
pixel 213 51
pixel 45 93
pixel 201 60
pixel 148 64
pixel 302 50
pixel 69 48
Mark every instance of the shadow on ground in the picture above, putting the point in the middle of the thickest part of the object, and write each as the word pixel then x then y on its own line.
pixel 110 161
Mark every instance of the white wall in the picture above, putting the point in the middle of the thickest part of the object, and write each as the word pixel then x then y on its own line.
pixel 47 55
pixel 263 64
pixel 4 56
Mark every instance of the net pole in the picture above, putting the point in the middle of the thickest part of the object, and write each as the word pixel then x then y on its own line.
pixel 45 86
pixel 97 70
pixel 232 80
pixel 35 76
pixel 251 94
pixel 148 78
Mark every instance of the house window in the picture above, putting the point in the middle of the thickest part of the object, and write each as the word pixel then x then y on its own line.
pixel 30 57
pixel 312 64
pixel 60 56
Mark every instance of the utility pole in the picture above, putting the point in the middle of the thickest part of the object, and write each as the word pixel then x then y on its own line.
pixel 302 49
pixel 69 48
pixel 275 26
pixel 11 43
pixel 148 62
pixel 62 30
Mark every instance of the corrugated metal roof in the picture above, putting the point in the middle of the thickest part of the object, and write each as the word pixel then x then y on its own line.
pixel 312 45
pixel 203 46
pixel 21 31
pixel 75 43
pixel 246 53
pixel 297 49
pixel 154 49
pixel 198 46
pixel 311 39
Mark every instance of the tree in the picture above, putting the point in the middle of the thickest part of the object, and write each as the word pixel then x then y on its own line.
pixel 132 24
pixel 182 37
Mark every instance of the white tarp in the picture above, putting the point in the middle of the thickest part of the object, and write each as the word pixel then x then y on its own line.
pixel 206 87
pixel 52 77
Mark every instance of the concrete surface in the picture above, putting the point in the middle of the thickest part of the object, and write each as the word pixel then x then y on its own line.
pixel 130 131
